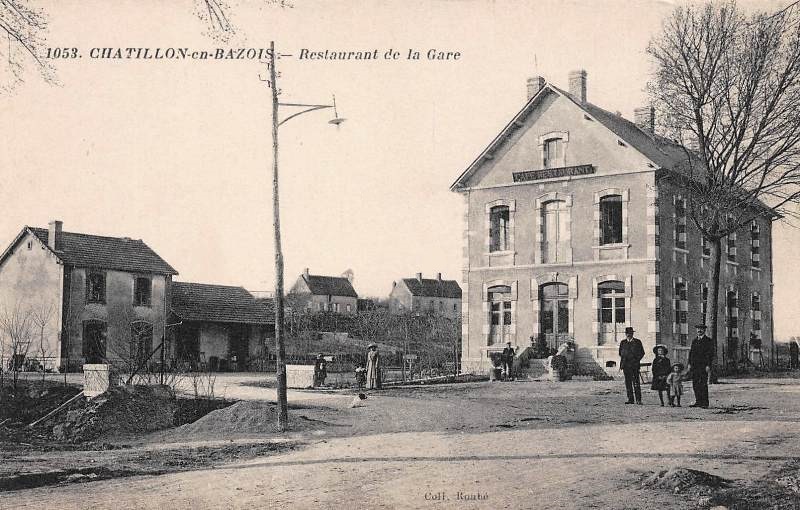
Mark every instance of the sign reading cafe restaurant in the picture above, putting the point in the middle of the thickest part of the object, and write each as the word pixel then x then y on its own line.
pixel 553 173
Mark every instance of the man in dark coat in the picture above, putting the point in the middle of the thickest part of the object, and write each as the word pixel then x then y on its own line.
pixel 701 356
pixel 631 353
pixel 794 351
pixel 508 360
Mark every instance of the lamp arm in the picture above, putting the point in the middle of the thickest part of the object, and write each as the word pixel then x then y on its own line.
pixel 310 108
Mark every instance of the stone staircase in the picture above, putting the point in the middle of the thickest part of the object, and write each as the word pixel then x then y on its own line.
pixel 581 368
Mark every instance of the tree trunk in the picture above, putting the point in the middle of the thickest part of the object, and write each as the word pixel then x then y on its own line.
pixel 280 349
pixel 713 296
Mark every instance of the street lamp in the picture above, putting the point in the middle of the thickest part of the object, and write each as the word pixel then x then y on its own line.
pixel 280 348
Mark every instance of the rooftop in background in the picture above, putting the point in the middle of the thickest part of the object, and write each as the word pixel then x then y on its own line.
pixel 329 285
pixel 433 287
pixel 120 253
pixel 219 303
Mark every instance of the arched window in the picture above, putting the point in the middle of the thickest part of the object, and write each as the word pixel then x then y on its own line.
pixel 554 223
pixel 500 315
pixel 499 228
pixel 553 153
pixel 611 311
pixel 611 219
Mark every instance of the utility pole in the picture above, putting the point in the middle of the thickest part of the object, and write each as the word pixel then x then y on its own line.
pixel 280 348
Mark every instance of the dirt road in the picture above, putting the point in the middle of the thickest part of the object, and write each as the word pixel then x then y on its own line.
pixel 525 445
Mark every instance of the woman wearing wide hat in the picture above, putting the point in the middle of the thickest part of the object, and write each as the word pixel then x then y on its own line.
pixel 373 368
pixel 661 369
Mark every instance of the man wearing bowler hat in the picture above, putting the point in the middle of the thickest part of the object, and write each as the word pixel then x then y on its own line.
pixel 701 355
pixel 631 353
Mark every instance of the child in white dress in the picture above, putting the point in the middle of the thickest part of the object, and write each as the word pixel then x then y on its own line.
pixel 675 385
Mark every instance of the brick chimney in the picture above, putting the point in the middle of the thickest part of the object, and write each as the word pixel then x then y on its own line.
pixel 535 84
pixel 54 235
pixel 439 276
pixel 577 84
pixel 645 118
pixel 305 273
pixel 419 277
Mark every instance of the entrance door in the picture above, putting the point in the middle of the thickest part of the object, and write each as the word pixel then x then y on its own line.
pixel 611 311
pixel 554 313
pixel 500 314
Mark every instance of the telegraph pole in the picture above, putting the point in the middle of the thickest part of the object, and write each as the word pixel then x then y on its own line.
pixel 280 347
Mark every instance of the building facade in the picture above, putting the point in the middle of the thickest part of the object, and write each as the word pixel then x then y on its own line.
pixel 95 299
pixel 316 293
pixel 219 328
pixel 428 295
pixel 574 229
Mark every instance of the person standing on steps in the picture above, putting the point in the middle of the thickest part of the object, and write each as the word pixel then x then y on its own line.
pixel 508 361
pixel 701 356
pixel 631 353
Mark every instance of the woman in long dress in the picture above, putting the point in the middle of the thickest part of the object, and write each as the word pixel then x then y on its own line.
pixel 373 368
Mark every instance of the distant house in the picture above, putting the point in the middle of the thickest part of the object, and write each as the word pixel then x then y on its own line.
pixel 432 295
pixel 315 293
pixel 98 298
pixel 219 327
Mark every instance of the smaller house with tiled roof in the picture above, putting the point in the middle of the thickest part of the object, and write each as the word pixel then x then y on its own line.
pixel 317 293
pixel 93 299
pixel 428 295
pixel 219 327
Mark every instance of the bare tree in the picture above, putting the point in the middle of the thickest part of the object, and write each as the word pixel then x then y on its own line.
pixel 25 25
pixel 41 317
pixel 25 30
pixel 727 85
pixel 16 327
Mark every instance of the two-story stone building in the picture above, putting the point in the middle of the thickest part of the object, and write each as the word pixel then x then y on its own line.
pixel 317 293
pixel 428 295
pixel 574 228
pixel 102 297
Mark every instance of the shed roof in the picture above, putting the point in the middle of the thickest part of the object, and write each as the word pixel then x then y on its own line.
pixel 219 303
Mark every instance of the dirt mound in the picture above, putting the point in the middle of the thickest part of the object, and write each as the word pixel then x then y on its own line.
pixel 31 401
pixel 121 410
pixel 678 479
pixel 241 418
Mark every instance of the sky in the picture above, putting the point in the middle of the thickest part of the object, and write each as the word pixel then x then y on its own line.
pixel 179 152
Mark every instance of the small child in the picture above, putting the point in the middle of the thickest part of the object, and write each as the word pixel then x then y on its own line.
pixel 661 369
pixel 361 375
pixel 675 385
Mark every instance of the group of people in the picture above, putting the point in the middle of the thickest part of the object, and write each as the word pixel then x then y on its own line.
pixel 668 376
pixel 369 377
